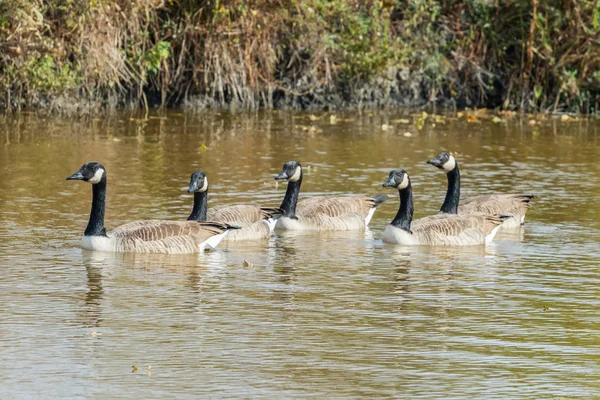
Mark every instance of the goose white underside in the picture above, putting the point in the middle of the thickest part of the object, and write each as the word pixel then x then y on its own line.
pixel 291 224
pixel 98 243
pixel 351 222
pixel 110 244
pixel 392 234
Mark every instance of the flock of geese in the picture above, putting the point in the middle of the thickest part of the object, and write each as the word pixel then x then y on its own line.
pixel 475 222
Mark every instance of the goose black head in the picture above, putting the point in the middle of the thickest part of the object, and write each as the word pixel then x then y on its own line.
pixel 292 171
pixel 198 182
pixel 91 172
pixel 398 179
pixel 443 161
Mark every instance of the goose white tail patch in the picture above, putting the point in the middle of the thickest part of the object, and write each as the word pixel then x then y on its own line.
pixel 97 176
pixel 271 224
pixel 369 216
pixel 512 223
pixel 490 237
pixel 213 241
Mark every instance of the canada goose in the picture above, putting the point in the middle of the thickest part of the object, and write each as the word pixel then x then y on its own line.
pixel 435 230
pixel 149 236
pixel 513 205
pixel 322 213
pixel 255 222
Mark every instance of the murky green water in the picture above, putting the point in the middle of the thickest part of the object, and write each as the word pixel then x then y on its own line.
pixel 330 315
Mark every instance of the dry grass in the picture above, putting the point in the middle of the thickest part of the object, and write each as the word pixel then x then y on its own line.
pixel 513 54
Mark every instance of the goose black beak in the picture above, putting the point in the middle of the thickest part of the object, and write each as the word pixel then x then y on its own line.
pixel 77 176
pixel 389 182
pixel 435 162
pixel 282 175
pixel 193 187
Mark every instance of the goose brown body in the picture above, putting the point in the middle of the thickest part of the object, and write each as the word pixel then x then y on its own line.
pixel 447 230
pixel 322 213
pixel 255 222
pixel 514 206
pixel 435 230
pixel 147 236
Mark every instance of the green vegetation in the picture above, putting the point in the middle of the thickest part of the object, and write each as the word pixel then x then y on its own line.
pixel 527 55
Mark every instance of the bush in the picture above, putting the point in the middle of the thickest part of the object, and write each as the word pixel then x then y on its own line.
pixel 514 54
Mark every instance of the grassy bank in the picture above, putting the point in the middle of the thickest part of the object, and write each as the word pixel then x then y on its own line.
pixel 528 55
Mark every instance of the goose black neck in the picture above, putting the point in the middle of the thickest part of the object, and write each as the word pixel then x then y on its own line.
pixel 450 205
pixel 288 205
pixel 406 210
pixel 95 226
pixel 200 207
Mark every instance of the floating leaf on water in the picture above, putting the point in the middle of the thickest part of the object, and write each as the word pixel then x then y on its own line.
pixel 565 118
pixel 203 147
pixel 133 368
pixel 460 114
pixel 401 121
pixel 385 127
pixel 407 134
pixel 94 333
pixel 419 123
pixel 497 119
pixel 247 264
pixel 313 117
pixel 546 308
pixel 332 120
pixel 508 113
pixel 472 119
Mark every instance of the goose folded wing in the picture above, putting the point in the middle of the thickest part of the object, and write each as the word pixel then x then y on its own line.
pixel 446 225
pixel 159 230
pixel 236 214
pixel 335 206
pixel 503 204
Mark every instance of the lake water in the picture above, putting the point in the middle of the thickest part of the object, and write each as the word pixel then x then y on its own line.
pixel 337 315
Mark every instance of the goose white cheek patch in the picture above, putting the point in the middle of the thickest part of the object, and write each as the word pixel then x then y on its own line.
pixel 404 183
pixel 97 176
pixel 205 186
pixel 296 175
pixel 449 165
